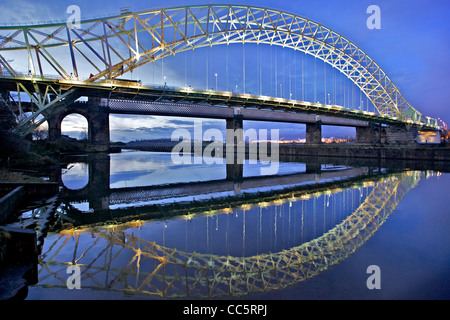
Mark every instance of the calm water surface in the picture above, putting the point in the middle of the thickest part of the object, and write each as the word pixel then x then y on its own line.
pixel 140 227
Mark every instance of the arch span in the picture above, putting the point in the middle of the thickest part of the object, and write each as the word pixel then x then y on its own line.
pixel 75 126
pixel 115 45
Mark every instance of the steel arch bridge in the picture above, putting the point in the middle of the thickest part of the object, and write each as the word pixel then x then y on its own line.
pixel 178 274
pixel 112 46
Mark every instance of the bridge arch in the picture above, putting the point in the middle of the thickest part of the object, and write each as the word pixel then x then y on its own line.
pixel 78 119
pixel 97 118
pixel 154 34
pixel 218 25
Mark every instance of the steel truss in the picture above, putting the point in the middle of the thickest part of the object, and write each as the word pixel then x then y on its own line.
pixel 112 46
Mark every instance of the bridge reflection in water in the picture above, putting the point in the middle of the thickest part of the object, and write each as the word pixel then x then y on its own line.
pixel 233 242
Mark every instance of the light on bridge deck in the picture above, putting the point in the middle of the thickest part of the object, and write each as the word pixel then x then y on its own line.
pixel 186 89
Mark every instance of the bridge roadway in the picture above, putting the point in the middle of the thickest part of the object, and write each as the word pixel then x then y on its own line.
pixel 127 97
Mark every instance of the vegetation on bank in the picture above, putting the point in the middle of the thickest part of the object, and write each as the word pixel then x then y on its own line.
pixel 20 158
pixel 17 161
pixel 19 153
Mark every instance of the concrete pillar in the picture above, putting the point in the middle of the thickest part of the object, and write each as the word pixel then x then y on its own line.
pixel 235 144
pixel 369 135
pixel 314 133
pixel 54 127
pixel 235 147
pixel 236 124
pixel 402 135
pixel 235 171
pixel 98 128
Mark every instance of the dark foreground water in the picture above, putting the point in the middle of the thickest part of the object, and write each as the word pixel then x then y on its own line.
pixel 137 226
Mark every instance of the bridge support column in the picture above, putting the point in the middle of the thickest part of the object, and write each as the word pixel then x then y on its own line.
pixel 370 135
pixel 235 144
pixel 314 132
pixel 98 131
pixel 54 127
pixel 402 135
pixel 234 125
pixel 235 172
pixel 235 147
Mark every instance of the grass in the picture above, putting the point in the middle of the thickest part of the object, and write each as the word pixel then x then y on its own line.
pixel 12 176
pixel 31 160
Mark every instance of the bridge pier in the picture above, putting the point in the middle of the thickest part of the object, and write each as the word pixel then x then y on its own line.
pixel 314 132
pixel 235 172
pixel 235 147
pixel 393 135
pixel 97 117
pixel 235 144
pixel 402 135
pixel 373 134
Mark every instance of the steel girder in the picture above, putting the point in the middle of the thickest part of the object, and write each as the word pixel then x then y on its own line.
pixel 109 47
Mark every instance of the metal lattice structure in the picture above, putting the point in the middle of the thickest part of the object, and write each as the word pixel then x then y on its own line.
pixel 155 270
pixel 109 47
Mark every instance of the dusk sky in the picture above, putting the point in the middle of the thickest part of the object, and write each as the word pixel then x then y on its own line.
pixel 412 47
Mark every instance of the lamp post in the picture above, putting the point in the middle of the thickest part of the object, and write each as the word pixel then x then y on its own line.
pixel 216 80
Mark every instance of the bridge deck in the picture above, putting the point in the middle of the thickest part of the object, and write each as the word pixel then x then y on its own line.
pixel 139 99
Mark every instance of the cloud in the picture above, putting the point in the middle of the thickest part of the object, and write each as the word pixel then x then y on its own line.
pixel 27 12
pixel 74 123
pixel 131 127
pixel 133 122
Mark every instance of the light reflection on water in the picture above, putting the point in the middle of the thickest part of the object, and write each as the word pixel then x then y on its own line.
pixel 255 230
pixel 203 240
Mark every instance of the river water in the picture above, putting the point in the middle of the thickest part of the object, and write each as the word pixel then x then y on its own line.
pixel 137 226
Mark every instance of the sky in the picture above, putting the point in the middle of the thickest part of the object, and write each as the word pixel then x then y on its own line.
pixel 412 47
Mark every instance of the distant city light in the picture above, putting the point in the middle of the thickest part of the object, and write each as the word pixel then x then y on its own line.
pixel 302 141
